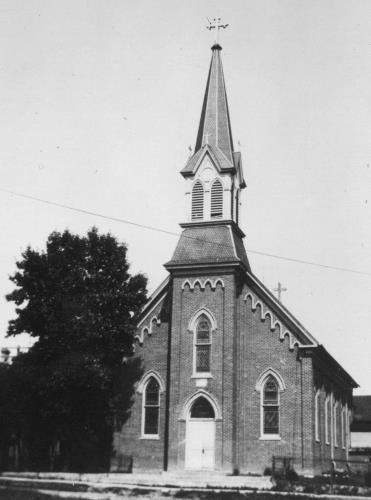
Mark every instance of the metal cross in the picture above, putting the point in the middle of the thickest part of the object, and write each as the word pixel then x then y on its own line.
pixel 279 290
pixel 216 24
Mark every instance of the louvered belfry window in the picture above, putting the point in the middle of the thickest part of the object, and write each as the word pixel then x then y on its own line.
pixel 151 407
pixel 270 407
pixel 197 201
pixel 217 200
pixel 203 345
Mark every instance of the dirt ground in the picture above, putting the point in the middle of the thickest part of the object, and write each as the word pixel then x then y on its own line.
pixel 143 494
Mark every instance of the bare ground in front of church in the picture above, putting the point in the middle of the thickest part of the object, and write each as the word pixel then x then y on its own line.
pixel 147 494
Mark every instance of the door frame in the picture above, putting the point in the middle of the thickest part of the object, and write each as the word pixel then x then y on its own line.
pixel 212 465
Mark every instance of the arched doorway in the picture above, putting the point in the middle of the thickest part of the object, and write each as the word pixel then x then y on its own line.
pixel 200 436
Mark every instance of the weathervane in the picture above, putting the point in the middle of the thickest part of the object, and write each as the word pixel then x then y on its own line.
pixel 216 25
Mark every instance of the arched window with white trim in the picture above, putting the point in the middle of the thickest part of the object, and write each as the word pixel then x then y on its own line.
pixel 327 418
pixel 197 201
pixel 317 411
pixel 343 430
pixel 336 441
pixel 270 407
pixel 202 348
pixel 216 205
pixel 151 408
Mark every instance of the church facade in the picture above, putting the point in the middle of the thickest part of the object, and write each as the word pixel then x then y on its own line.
pixel 230 377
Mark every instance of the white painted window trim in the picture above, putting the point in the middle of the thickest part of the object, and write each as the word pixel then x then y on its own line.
pixel 343 420
pixel 202 218
pixel 347 430
pixel 215 181
pixel 195 373
pixel 192 328
pixel 263 436
pixel 327 433
pixel 142 390
pixel 336 405
pixel 317 420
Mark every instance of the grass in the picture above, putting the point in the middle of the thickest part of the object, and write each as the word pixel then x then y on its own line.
pixel 20 494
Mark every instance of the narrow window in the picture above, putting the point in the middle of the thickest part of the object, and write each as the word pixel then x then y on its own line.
pixel 151 407
pixel 316 415
pixel 216 200
pixel 202 346
pixel 197 201
pixel 270 407
pixel 237 205
pixel 336 424
pixel 342 423
pixel 327 416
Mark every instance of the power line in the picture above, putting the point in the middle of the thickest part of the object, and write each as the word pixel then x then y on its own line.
pixel 173 233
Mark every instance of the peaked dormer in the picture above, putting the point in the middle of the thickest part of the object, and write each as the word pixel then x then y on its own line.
pixel 214 172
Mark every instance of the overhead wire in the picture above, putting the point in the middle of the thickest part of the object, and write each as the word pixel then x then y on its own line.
pixel 173 233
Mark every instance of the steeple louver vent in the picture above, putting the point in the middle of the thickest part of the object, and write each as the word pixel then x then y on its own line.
pixel 216 200
pixel 197 201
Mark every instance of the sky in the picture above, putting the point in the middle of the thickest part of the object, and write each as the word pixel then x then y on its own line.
pixel 101 100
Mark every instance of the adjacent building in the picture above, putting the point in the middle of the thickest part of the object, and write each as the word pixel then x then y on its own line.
pixel 361 429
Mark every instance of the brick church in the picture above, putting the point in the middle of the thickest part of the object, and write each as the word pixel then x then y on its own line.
pixel 230 376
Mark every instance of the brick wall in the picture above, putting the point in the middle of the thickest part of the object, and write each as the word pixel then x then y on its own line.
pixel 148 454
pixel 243 347
pixel 261 349
pixel 186 302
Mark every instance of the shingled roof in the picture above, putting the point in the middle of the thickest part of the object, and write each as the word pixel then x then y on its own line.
pixel 214 135
pixel 209 243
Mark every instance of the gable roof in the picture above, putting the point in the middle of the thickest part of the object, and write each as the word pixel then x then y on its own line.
pixel 265 294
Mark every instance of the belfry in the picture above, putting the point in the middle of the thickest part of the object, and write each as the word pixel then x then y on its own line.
pixel 230 377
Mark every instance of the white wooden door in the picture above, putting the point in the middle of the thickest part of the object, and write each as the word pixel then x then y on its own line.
pixel 200 444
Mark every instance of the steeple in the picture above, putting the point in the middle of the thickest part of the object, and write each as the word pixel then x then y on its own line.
pixel 214 171
pixel 215 127
pixel 214 180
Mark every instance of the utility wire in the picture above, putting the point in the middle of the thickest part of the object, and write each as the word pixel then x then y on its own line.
pixel 173 233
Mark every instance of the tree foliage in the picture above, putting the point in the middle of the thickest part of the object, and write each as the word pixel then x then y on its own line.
pixel 79 301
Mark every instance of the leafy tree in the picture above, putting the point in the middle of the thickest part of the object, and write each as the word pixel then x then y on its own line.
pixel 80 302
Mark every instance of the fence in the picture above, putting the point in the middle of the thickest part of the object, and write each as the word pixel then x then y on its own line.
pixel 351 472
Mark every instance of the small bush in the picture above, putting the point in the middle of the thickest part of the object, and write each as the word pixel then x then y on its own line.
pixel 267 471
pixel 291 475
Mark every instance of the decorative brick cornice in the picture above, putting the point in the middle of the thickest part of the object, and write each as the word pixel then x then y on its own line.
pixel 275 322
pixel 147 329
pixel 202 284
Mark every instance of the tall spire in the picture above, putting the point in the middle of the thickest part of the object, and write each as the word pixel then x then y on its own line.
pixel 215 127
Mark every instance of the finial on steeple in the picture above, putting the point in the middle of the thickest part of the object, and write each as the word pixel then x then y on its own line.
pixel 216 25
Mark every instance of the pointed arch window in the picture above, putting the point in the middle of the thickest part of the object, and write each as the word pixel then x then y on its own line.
pixel 335 425
pixel 270 408
pixel 216 200
pixel 201 408
pixel 343 430
pixel 202 346
pixel 317 412
pixel 197 201
pixel 151 408
pixel 327 417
